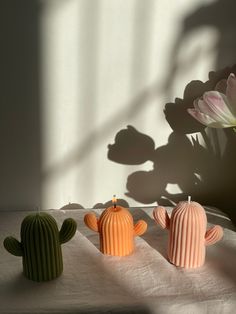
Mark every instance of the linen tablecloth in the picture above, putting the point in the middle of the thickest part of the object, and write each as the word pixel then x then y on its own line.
pixel 144 282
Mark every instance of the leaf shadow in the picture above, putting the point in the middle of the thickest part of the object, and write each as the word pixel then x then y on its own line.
pixel 201 165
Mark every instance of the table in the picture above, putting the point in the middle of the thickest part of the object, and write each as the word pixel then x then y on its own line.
pixel 144 282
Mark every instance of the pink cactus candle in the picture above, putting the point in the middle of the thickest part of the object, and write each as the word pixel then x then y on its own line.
pixel 188 237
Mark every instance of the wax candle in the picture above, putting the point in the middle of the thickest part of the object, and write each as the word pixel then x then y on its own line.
pixel 188 237
pixel 40 245
pixel 116 229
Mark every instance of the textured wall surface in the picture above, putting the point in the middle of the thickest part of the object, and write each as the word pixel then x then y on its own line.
pixel 77 73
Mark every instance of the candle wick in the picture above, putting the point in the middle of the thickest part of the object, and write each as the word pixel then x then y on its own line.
pixel 114 201
pixel 189 199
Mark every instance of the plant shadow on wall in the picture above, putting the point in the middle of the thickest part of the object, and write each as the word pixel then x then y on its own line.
pixel 205 170
pixel 217 16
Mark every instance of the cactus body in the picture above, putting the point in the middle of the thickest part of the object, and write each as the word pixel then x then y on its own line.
pixel 116 230
pixel 41 245
pixel 187 237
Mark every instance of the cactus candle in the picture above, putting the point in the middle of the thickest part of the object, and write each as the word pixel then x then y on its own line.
pixel 116 229
pixel 40 245
pixel 188 237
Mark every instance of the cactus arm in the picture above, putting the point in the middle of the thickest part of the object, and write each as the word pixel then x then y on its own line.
pixel 13 246
pixel 91 221
pixel 213 235
pixel 161 216
pixel 140 227
pixel 68 230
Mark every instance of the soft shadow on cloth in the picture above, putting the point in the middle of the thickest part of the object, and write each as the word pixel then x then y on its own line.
pixel 206 171
pixel 86 284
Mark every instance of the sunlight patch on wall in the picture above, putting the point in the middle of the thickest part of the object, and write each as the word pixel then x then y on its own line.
pixel 59 96
pixel 173 188
pixel 105 65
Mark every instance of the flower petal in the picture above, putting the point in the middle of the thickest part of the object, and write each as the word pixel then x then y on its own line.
pixel 207 120
pixel 212 108
pixel 201 117
pixel 215 105
pixel 231 92
pixel 195 103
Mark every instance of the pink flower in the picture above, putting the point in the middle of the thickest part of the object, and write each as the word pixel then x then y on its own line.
pixel 215 109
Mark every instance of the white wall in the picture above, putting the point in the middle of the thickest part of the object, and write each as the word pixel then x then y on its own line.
pixel 104 65
pixel 76 73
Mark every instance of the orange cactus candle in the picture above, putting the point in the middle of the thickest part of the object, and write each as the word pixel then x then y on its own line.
pixel 188 237
pixel 116 229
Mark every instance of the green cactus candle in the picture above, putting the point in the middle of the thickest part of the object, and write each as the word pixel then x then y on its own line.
pixel 40 245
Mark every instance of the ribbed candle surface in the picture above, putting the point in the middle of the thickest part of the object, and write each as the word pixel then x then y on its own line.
pixel 187 237
pixel 186 246
pixel 42 259
pixel 40 245
pixel 116 230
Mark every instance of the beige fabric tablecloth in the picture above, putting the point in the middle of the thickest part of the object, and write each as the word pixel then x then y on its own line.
pixel 144 282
